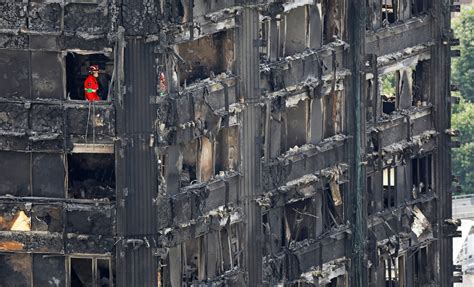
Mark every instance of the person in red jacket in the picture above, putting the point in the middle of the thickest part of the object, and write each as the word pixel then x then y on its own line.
pixel 91 85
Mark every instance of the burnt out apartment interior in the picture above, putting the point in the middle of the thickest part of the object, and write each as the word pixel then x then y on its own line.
pixel 235 143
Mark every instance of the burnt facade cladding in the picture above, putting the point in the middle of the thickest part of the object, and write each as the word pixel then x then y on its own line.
pixel 235 143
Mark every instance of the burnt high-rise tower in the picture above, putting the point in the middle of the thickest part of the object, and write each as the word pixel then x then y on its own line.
pixel 236 143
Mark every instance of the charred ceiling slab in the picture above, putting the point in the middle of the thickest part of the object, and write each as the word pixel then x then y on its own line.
pixel 202 8
pixel 303 160
pixel 31 241
pixel 87 219
pixel 329 250
pixel 198 200
pixel 202 29
pixel 44 124
pixel 304 187
pixel 413 32
pixel 46 118
pixel 408 147
pixel 299 67
pixel 214 220
pixel 87 18
pixel 101 122
pixel 10 141
pixel 405 124
pixel 96 244
pixel 13 41
pixel 290 265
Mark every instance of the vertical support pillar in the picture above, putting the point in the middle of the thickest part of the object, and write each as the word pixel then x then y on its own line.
pixel 136 162
pixel 356 35
pixel 440 88
pixel 248 70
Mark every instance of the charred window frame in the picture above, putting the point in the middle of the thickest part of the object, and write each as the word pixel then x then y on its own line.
pixel 421 78
pixel 331 21
pixel 402 270
pixel 207 256
pixel 294 33
pixel 227 150
pixel 301 221
pixel 420 7
pixel 389 12
pixel 422 177
pixel 291 32
pixel 333 113
pixel 404 88
pixel 204 158
pixel 421 266
pixel 27 174
pixel 388 86
pixel 370 197
pixel 206 57
pixel 333 210
pixel 391 272
pixel 93 271
pixel 77 64
pixel 190 158
pixel 295 124
pixel 389 187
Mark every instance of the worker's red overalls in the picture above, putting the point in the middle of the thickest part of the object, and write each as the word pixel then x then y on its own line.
pixel 91 84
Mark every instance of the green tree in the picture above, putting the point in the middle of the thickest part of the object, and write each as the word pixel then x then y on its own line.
pixel 463 157
pixel 463 114
pixel 463 67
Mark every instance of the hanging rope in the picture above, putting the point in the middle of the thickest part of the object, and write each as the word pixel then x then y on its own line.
pixel 88 118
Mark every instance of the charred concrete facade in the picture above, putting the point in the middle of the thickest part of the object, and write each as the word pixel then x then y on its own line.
pixel 237 143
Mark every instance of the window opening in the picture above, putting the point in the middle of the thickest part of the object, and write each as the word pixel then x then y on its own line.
pixel 264 38
pixel 300 220
pixel 421 175
pixel 91 176
pixel 370 200
pixel 389 184
pixel 389 12
pixel 205 257
pixel 421 264
pixel 420 7
pixel 77 71
pixel 420 86
pixel 388 92
pixel 189 169
pixel 296 26
pixel 391 274
pixel 330 26
pixel 332 214
pixel 227 149
pixel 206 57
pixel 81 272
pixel 90 272
pixel 295 119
